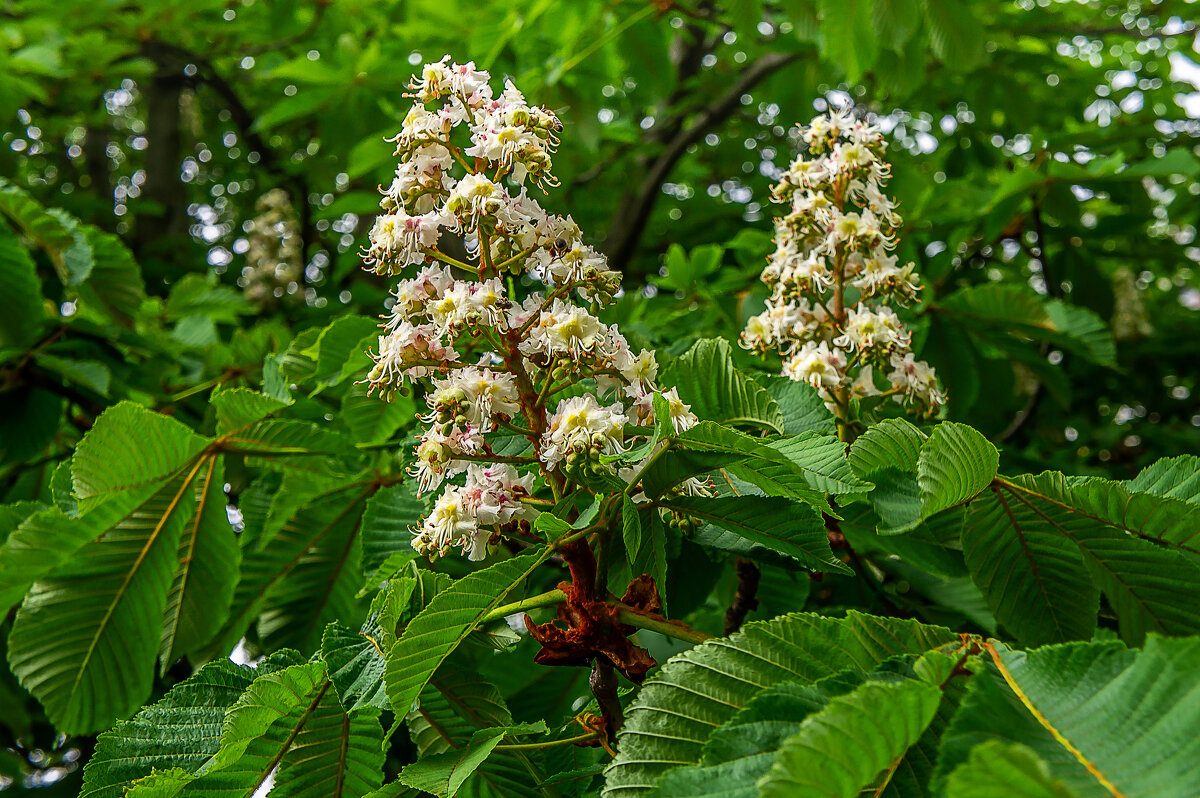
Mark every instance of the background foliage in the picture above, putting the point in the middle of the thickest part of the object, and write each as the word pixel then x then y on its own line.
pixel 186 464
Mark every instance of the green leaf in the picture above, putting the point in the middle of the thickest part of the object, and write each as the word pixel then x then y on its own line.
pixel 887 455
pixel 181 730
pixel 1005 770
pixel 56 233
pixel 338 345
pixel 443 625
pixel 79 642
pixel 717 391
pixel 1171 477
pixel 208 563
pixel 823 460
pixel 129 447
pixel 956 463
pixel 91 374
pixel 114 287
pixel 1032 542
pixel 388 520
pixel 21 304
pixel 849 29
pixel 841 749
pixel 1106 720
pixel 310 540
pixel 238 408
pixel 708 446
pixel 792 528
pixel 698 690
pixel 292 720
pixel 372 420
pixel 802 407
pixel 954 33
pixel 455 706
pixel 443 774
pixel 357 659
pixel 1032 576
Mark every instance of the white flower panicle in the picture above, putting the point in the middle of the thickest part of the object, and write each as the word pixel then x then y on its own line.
pixel 525 389
pixel 833 276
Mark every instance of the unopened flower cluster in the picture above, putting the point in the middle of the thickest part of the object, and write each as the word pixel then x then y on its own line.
pixel 833 274
pixel 462 232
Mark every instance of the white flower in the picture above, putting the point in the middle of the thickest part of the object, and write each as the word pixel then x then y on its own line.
pixel 564 330
pixel 408 351
pixel 413 295
pixel 473 197
pixel 915 380
pixel 478 393
pixel 438 455
pixel 580 423
pixel 868 329
pixel 818 365
pixel 448 524
pixel 434 82
pixel 682 417
pixel 398 239
pixel 493 493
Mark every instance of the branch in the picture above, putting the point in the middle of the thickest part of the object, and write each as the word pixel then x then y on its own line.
pixel 746 597
pixel 603 682
pixel 633 212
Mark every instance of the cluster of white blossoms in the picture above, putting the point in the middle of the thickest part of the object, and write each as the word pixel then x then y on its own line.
pixel 537 377
pixel 833 275
pixel 273 269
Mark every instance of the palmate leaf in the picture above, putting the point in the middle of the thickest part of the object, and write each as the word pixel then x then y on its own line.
pixel 696 691
pixel 717 391
pixel 802 407
pixel 357 659
pixel 1125 725
pixel 1170 477
pixel 1032 543
pixel 238 408
pixel 305 578
pixel 709 446
pixel 183 730
pixel 46 540
pixel 841 749
pixel 207 566
pixel 56 233
pixel 791 528
pixel 741 752
pixel 444 624
pixel 79 642
pixel 114 289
